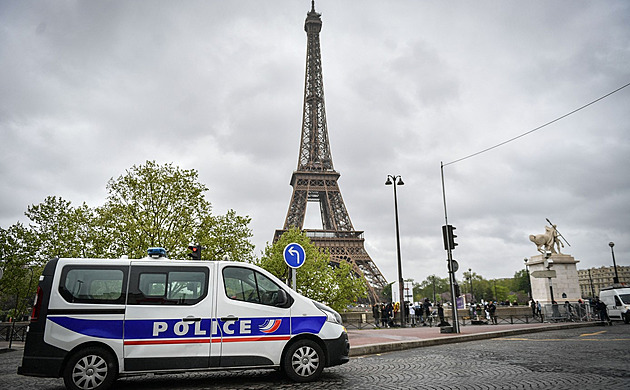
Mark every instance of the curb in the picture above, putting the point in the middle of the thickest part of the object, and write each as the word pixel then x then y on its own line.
pixel 371 349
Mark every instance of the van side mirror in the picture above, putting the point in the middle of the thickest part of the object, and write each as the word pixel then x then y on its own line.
pixel 282 299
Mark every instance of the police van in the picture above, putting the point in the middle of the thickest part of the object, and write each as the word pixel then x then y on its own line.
pixel 98 319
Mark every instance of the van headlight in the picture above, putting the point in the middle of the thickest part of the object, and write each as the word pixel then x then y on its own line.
pixel 331 315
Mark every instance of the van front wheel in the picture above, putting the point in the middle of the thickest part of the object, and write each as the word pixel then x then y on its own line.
pixel 91 368
pixel 304 361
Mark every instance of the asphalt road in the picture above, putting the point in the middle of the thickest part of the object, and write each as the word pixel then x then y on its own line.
pixel 595 357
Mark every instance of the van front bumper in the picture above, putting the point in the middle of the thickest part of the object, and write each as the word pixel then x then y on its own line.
pixel 338 350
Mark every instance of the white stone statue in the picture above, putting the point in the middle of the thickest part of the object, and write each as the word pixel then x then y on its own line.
pixel 550 240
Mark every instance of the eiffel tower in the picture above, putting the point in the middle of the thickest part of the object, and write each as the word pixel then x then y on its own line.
pixel 315 179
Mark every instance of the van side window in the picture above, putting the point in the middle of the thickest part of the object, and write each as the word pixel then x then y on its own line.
pixel 244 284
pixel 100 285
pixel 168 286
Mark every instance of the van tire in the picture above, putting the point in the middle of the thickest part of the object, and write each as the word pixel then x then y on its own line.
pixel 304 361
pixel 91 368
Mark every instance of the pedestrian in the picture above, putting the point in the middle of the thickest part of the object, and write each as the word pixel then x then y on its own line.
pixel 603 312
pixel 539 310
pixel 426 307
pixel 568 309
pixel 418 309
pixel 533 305
pixel 412 315
pixel 383 316
pixel 376 313
pixel 477 311
pixel 390 314
pixel 492 309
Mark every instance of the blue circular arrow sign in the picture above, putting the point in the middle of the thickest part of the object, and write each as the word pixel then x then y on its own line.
pixel 294 255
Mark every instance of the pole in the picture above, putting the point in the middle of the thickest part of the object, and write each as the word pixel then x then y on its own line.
pixel 529 282
pixel 472 296
pixel 401 283
pixel 451 273
pixel 591 280
pixel 616 279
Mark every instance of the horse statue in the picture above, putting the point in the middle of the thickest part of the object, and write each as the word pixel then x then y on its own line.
pixel 549 239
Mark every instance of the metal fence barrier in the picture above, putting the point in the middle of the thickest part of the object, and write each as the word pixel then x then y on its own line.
pixel 13 330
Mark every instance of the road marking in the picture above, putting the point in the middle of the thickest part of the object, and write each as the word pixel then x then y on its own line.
pixel 582 339
pixel 593 334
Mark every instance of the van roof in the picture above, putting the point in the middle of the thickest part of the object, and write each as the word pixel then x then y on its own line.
pixel 616 286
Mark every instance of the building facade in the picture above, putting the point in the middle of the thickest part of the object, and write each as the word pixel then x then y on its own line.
pixel 592 280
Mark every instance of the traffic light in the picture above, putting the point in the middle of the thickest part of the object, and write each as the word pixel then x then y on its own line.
pixel 457 292
pixel 449 237
pixel 195 252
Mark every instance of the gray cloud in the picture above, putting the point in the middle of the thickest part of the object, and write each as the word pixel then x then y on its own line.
pixel 92 88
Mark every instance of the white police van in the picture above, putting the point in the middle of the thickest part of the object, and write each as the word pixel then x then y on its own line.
pixel 97 319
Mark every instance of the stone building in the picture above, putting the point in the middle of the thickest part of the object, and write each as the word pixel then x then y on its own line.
pixel 592 280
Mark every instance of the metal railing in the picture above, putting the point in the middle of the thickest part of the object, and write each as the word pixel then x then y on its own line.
pixel 13 331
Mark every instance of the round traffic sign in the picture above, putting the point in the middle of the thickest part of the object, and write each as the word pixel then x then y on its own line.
pixel 294 255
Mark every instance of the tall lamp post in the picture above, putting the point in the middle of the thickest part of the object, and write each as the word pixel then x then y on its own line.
pixel 529 282
pixel 396 180
pixel 611 244
pixel 472 296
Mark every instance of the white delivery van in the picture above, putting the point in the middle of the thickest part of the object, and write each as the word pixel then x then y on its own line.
pixel 97 319
pixel 617 300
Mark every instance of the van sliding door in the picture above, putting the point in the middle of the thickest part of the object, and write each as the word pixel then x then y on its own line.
pixel 168 318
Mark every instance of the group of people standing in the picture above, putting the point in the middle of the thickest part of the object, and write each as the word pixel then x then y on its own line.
pixel 385 314
pixel 488 311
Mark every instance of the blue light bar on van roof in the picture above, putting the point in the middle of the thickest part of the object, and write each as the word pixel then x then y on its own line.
pixel 156 252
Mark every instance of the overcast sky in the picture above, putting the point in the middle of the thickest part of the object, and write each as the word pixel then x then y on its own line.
pixel 89 89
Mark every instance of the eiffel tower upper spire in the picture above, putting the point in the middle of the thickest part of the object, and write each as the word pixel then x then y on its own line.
pixel 314 145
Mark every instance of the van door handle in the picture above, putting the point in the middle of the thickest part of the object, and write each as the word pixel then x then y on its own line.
pixel 191 319
pixel 229 318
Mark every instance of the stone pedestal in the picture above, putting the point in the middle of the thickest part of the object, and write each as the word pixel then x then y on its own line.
pixel 565 285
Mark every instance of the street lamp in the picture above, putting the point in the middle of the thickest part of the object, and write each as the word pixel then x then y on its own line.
pixel 616 279
pixel 472 296
pixel 529 282
pixel 397 180
pixel 591 281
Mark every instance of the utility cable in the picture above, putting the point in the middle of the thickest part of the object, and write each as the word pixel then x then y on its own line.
pixel 538 128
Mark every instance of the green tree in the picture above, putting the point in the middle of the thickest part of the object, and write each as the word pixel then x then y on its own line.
pixel 427 287
pixel 60 230
pixel 336 286
pixel 151 205
pixel 20 270
pixel 154 205
pixel 520 281
pixel 226 235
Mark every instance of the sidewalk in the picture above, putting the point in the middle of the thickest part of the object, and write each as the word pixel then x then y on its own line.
pixel 373 341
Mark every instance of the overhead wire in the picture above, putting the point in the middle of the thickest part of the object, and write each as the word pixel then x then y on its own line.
pixel 537 128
